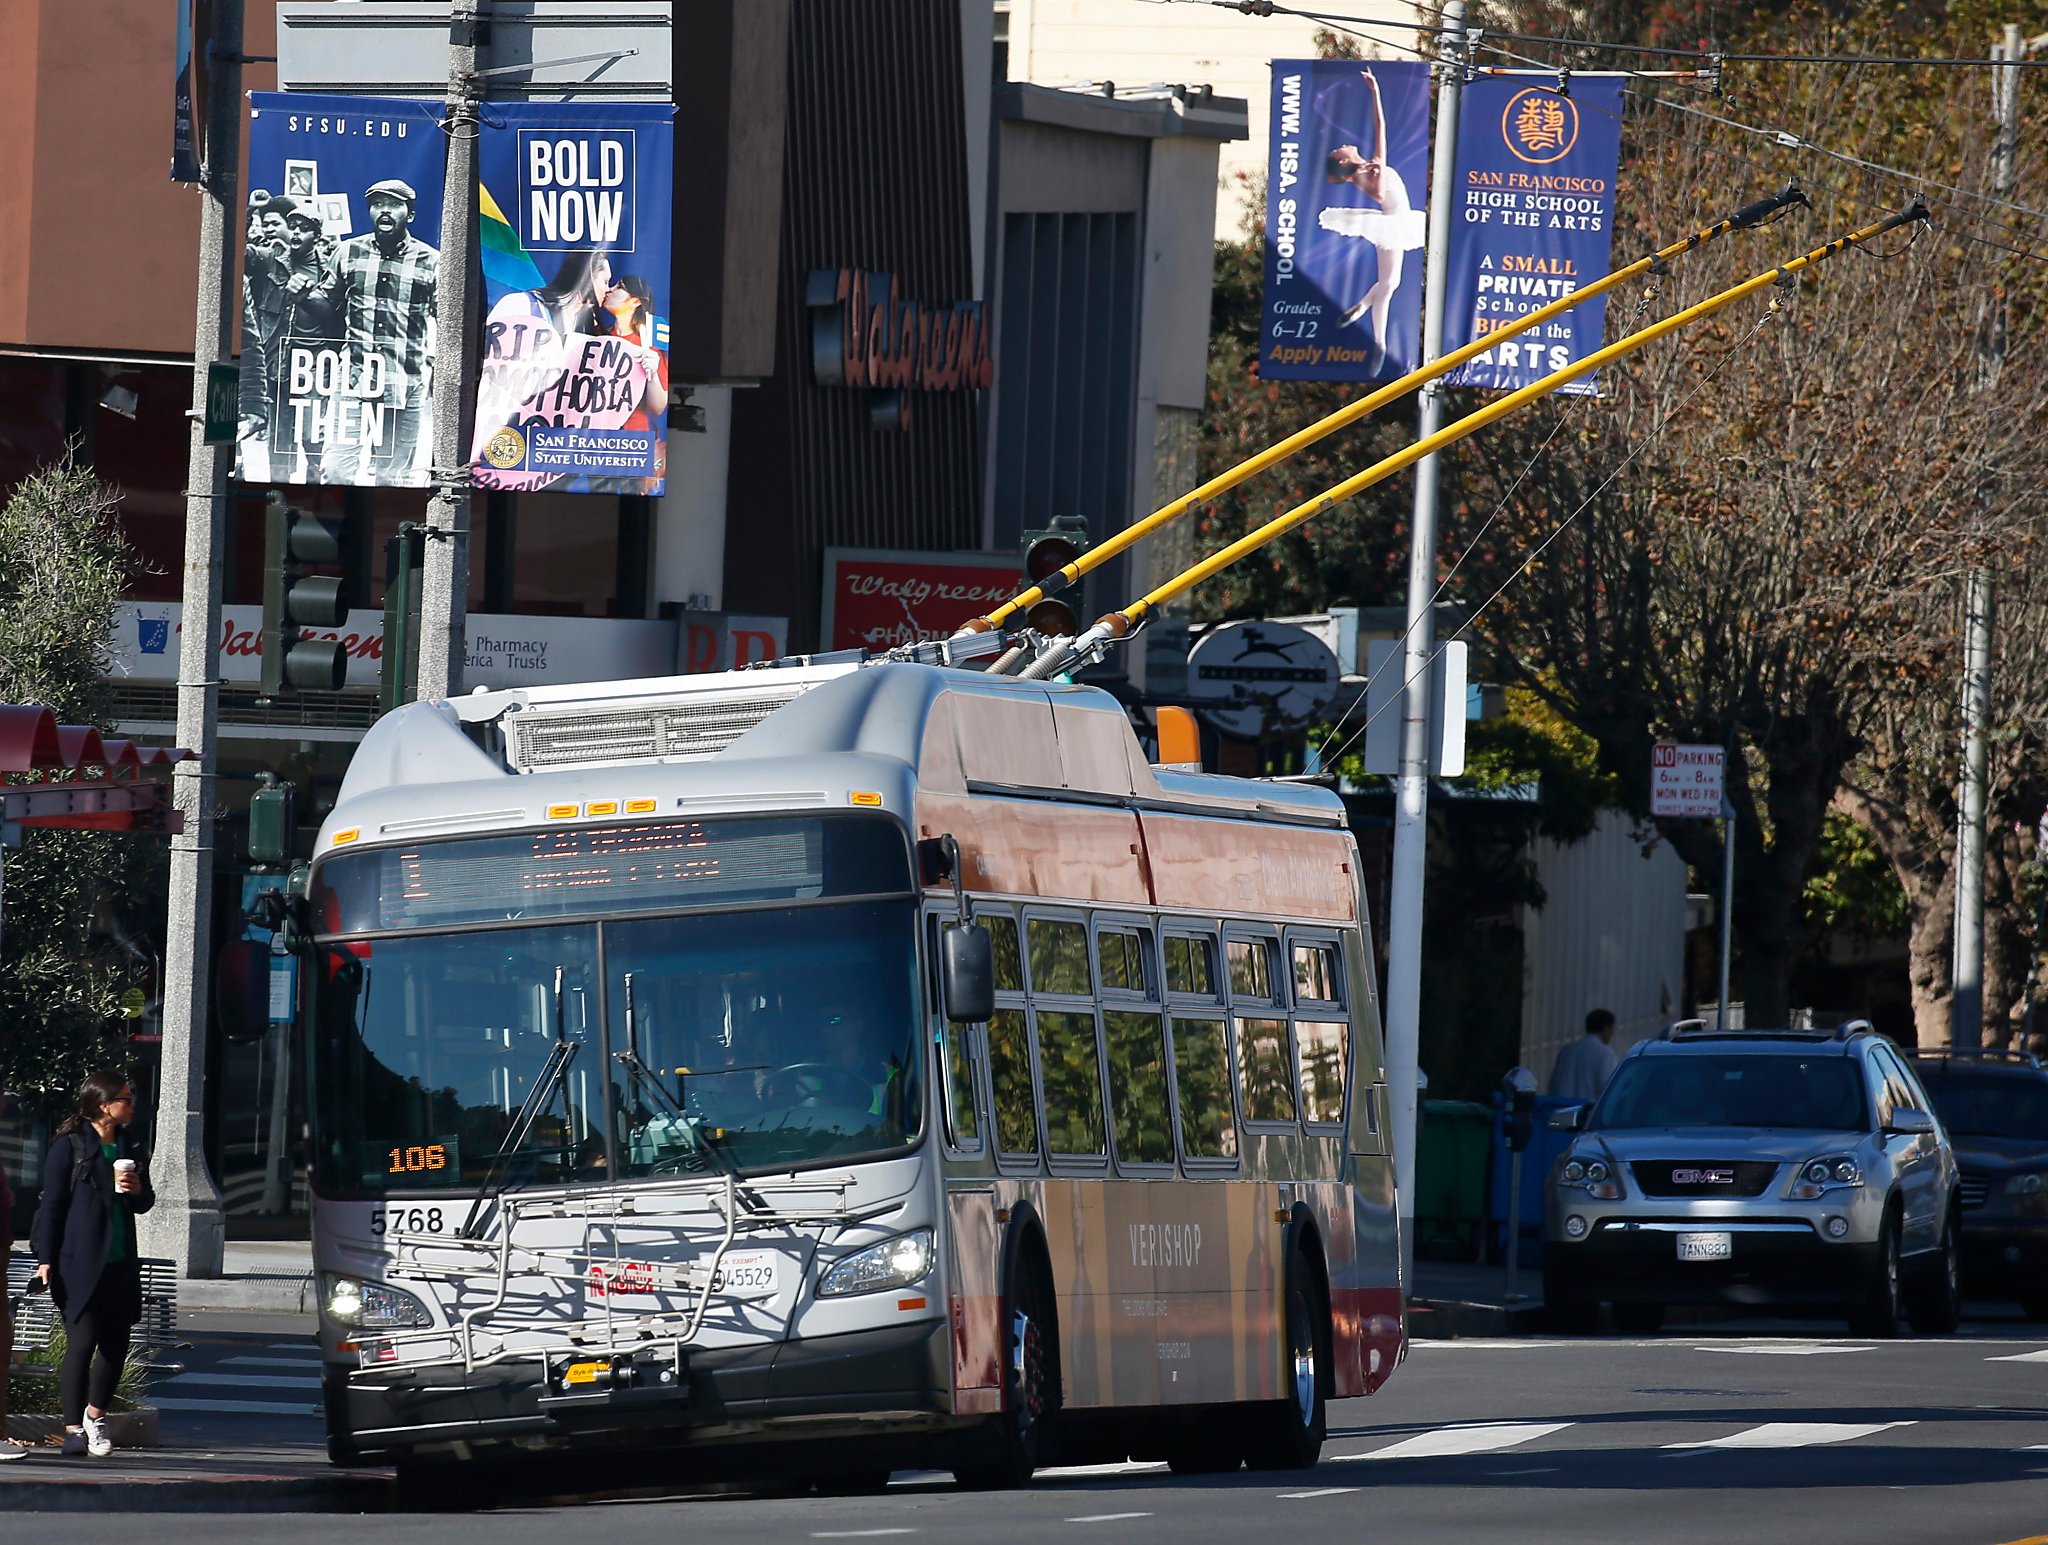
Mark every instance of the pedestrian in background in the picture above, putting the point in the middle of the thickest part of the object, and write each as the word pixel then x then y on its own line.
pixel 94 1188
pixel 1584 1067
pixel 8 1451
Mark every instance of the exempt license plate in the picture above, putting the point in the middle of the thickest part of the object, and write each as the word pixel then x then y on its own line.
pixel 1705 1247
pixel 748 1274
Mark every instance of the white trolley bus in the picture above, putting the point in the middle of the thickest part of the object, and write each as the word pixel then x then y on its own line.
pixel 660 1102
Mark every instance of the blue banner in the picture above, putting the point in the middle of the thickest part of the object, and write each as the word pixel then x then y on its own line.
pixel 574 229
pixel 340 269
pixel 1532 220
pixel 1347 182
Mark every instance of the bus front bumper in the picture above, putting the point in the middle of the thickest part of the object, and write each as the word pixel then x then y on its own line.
pixel 899 1376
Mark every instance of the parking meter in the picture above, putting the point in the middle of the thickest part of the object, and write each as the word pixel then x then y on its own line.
pixel 1518 1096
pixel 1518 1106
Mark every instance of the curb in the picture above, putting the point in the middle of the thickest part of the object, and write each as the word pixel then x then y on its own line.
pixel 1452 1319
pixel 232 1494
pixel 273 1295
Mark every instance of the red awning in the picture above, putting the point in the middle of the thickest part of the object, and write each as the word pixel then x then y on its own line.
pixel 31 740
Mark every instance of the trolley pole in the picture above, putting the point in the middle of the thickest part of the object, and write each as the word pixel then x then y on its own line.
pixel 444 577
pixel 1411 810
pixel 188 1225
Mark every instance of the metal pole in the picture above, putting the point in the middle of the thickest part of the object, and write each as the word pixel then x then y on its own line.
pixel 1966 999
pixel 188 1223
pixel 444 580
pixel 1404 901
pixel 1509 1295
pixel 1727 904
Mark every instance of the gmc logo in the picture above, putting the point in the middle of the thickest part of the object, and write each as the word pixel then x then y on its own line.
pixel 1703 1177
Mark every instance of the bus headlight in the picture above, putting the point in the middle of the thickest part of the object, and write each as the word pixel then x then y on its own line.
pixel 370 1305
pixel 893 1263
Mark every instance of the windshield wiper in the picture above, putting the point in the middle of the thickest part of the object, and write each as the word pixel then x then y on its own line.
pixel 643 1079
pixel 498 1173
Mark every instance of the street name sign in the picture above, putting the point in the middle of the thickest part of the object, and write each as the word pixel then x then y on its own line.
pixel 1685 780
pixel 223 398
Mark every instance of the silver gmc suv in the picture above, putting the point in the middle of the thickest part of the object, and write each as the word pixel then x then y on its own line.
pixel 1755 1167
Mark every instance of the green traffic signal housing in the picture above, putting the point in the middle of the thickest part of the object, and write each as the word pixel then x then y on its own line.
pixel 294 599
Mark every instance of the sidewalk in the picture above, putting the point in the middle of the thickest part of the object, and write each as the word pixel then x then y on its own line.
pixel 274 1276
pixel 1453 1299
pixel 189 1479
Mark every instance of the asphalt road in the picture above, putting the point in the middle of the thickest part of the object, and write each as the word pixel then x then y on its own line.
pixel 1731 1433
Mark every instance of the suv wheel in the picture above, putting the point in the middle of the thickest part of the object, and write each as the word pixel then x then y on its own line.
pixel 1639 1319
pixel 1569 1313
pixel 1878 1312
pixel 1935 1301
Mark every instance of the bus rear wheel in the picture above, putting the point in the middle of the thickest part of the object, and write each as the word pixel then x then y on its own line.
pixel 1009 1449
pixel 1288 1434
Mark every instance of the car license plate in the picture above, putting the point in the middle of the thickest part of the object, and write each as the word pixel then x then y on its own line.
pixel 748 1274
pixel 1705 1247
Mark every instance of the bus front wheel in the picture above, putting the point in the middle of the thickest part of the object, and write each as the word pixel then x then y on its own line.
pixel 1290 1432
pixel 1009 1449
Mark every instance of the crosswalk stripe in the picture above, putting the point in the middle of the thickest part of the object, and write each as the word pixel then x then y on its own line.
pixel 1786 1349
pixel 1792 1435
pixel 1327 1491
pixel 242 1380
pixel 310 1364
pixel 2021 1357
pixel 243 1407
pixel 1488 1438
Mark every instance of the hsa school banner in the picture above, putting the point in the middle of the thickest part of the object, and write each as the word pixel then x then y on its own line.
pixel 339 269
pixel 1532 220
pixel 574 229
pixel 1346 186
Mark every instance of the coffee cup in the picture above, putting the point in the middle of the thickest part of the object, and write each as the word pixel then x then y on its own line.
pixel 124 1174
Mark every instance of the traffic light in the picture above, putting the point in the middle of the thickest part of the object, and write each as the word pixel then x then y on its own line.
pixel 404 557
pixel 1046 552
pixel 295 600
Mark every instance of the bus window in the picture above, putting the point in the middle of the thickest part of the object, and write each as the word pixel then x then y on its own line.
pixel 1263 1066
pixel 1191 966
pixel 1002 937
pixel 1321 1047
pixel 1122 953
pixel 1137 1087
pixel 962 1126
pixel 1009 1065
pixel 1071 1066
pixel 1251 969
pixel 1059 956
pixel 1201 1074
pixel 1315 974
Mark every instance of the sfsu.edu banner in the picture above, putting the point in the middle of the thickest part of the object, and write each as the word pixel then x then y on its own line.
pixel 1532 220
pixel 574 231
pixel 1346 187
pixel 340 268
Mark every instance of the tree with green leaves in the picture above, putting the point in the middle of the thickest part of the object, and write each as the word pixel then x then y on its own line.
pixel 62 972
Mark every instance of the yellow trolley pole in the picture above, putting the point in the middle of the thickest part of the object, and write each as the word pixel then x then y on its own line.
pixel 1116 625
pixel 1743 219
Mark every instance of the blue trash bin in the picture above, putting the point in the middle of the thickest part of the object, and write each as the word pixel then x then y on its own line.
pixel 1544 1147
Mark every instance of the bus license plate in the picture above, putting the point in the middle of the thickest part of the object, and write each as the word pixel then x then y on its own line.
pixel 1705 1247
pixel 748 1274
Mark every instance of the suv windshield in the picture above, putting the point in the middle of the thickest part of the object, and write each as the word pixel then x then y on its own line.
pixel 1990 1107
pixel 1735 1090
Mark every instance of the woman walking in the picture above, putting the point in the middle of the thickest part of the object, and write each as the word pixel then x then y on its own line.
pixel 94 1188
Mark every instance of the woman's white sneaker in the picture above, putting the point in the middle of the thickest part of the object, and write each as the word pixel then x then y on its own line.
pixel 97 1441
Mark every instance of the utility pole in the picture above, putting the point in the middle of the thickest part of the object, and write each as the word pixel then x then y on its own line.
pixel 1966 1001
pixel 1411 808
pixel 444 581
pixel 188 1222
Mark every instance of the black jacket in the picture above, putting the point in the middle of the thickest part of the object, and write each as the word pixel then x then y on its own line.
pixel 73 1223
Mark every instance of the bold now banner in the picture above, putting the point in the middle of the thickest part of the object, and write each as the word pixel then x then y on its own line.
pixel 1532 220
pixel 1346 187
pixel 574 230
pixel 340 268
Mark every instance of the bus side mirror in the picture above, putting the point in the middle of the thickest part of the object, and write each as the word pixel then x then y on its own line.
pixel 967 974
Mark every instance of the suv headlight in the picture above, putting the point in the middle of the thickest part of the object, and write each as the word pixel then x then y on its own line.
pixel 1817 1177
pixel 894 1263
pixel 2026 1185
pixel 370 1305
pixel 1595 1177
pixel 2029 1193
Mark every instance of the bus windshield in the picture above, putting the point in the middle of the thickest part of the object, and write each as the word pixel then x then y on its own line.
pixel 759 1038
